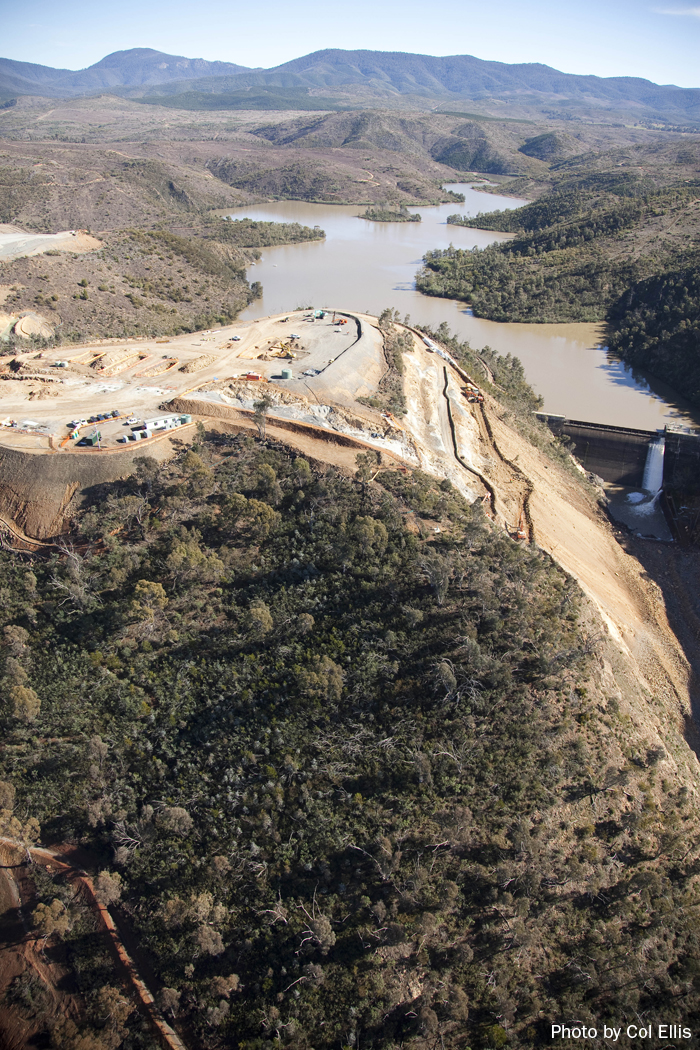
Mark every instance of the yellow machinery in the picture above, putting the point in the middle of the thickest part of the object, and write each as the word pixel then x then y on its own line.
pixel 473 394
pixel 282 350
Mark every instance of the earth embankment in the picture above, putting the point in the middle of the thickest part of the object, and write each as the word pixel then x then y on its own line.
pixel 325 445
pixel 574 530
pixel 39 493
pixel 530 489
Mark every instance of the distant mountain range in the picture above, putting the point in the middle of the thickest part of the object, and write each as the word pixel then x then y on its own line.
pixel 141 66
pixel 143 72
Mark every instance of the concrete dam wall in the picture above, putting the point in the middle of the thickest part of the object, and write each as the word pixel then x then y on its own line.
pixel 616 454
pixel 619 455
pixel 682 460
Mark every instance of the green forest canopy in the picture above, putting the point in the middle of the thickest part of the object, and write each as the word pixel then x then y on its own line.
pixel 655 325
pixel 337 760
pixel 573 253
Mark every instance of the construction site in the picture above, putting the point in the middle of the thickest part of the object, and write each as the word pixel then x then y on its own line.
pixel 309 367
pixel 327 353
pixel 305 379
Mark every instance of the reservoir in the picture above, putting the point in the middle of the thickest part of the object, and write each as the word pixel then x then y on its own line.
pixel 367 266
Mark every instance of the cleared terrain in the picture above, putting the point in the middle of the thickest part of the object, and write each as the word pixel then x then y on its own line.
pixel 471 445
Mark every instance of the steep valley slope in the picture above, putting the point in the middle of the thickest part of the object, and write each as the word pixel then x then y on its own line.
pixel 348 763
pixel 316 746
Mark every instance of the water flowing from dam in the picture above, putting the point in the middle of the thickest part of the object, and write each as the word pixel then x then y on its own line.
pixel 654 466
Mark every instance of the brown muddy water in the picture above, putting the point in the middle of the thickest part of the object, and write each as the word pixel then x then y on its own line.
pixel 367 266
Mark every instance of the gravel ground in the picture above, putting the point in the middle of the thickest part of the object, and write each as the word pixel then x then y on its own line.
pixel 15 242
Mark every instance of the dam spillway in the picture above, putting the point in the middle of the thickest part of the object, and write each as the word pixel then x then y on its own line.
pixel 619 455
pixel 653 477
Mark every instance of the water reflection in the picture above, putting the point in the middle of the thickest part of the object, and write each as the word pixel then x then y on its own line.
pixel 622 374
pixel 367 266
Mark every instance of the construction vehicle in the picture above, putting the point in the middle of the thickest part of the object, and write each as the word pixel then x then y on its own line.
pixel 473 394
pixel 281 350
pixel 390 419
pixel 520 531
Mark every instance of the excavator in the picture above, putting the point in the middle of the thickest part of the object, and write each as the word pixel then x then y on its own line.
pixel 520 531
pixel 282 350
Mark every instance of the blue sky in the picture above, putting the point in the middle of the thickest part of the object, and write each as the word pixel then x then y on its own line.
pixel 659 41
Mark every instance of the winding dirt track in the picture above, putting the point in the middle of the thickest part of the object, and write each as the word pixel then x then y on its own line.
pixel 453 434
pixel 509 487
pixel 167 1036
pixel 567 522
pixel 520 476
pixel 30 545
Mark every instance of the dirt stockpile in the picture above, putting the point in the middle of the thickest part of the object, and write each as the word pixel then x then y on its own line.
pixel 33 324
pixel 251 391
pixel 38 493
pixel 25 325
pixel 159 367
pixel 198 363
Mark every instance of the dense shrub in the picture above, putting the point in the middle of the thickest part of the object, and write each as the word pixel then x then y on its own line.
pixel 340 763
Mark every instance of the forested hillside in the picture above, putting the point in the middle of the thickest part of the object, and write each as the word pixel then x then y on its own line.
pixel 574 251
pixel 356 782
pixel 655 325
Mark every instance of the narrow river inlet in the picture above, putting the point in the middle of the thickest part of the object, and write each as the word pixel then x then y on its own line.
pixel 367 266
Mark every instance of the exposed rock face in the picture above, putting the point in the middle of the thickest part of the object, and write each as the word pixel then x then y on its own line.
pixel 39 493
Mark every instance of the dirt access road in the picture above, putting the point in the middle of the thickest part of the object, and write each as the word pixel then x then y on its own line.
pixel 15 242
pixel 15 856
